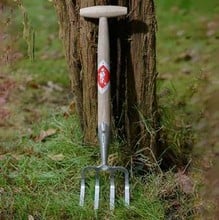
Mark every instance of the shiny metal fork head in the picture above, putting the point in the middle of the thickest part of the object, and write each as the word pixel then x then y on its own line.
pixel 112 170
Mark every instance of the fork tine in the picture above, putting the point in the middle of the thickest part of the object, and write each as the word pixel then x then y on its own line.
pixel 82 192
pixel 112 191
pixel 97 191
pixel 112 170
pixel 127 189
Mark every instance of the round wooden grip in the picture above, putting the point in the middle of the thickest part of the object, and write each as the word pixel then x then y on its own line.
pixel 103 11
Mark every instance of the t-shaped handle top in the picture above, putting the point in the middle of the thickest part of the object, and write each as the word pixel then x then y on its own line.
pixel 103 11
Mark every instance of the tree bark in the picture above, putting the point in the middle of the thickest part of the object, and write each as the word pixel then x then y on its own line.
pixel 133 71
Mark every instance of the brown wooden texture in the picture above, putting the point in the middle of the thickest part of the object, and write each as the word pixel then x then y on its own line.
pixel 142 77
pixel 133 70
pixel 80 43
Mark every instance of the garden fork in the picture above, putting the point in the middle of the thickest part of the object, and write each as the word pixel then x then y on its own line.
pixel 103 85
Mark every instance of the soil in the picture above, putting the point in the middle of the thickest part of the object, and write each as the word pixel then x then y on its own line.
pixel 208 148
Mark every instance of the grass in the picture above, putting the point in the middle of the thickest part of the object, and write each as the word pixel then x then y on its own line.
pixel 40 178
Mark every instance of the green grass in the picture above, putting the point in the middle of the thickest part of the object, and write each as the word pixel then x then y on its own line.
pixel 35 181
pixel 45 70
pixel 42 179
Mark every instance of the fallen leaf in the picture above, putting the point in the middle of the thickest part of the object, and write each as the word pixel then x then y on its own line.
pixel 4 114
pixel 2 76
pixel 185 182
pixel 7 84
pixel 69 110
pixel 44 134
pixel 32 84
pixel 56 157
pixel 5 87
pixel 54 87
pixel 210 33
pixel 212 28
pixel 180 33
pixel 185 56
pixel 2 190
pixel 3 99
pixel 164 93
pixel 32 115
pixel 165 76
pixel 30 217
pixel 55 55
pixel 72 107
pixel 17 156
pixel 186 70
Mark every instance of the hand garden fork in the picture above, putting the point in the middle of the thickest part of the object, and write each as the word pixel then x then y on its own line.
pixel 103 84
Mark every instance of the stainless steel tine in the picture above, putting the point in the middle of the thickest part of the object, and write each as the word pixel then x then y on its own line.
pixel 97 191
pixel 127 188
pixel 82 192
pixel 112 190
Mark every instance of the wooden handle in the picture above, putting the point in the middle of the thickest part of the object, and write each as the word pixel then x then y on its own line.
pixel 103 11
pixel 103 78
pixel 103 86
pixel 103 72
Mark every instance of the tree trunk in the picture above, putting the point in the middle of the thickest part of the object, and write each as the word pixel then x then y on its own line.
pixel 133 72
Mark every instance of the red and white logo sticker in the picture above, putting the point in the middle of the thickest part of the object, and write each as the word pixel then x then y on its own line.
pixel 103 77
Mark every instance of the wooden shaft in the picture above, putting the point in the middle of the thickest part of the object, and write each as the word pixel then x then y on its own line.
pixel 103 86
pixel 103 73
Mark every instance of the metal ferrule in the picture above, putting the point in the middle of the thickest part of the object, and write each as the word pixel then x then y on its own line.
pixel 103 134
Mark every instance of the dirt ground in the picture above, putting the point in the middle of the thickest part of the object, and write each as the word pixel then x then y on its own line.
pixel 208 146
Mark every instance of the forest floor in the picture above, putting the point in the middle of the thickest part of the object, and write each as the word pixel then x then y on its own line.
pixel 41 153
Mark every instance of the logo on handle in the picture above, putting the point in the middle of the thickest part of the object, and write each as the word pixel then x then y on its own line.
pixel 103 76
